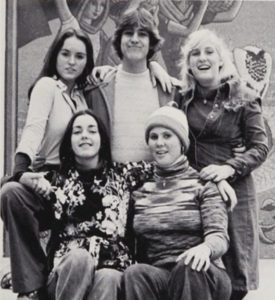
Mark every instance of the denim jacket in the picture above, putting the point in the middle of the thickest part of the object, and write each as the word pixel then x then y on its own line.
pixel 232 119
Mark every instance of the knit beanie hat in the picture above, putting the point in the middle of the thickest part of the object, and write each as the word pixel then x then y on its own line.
pixel 171 118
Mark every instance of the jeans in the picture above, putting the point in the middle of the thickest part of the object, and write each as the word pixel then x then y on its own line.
pixel 25 213
pixel 76 278
pixel 143 282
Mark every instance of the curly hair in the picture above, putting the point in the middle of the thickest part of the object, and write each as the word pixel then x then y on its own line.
pixel 227 70
pixel 142 18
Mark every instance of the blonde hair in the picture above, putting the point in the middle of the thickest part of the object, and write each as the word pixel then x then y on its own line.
pixel 228 69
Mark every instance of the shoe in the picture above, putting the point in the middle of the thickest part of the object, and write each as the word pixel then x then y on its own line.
pixel 40 294
pixel 6 281
pixel 28 296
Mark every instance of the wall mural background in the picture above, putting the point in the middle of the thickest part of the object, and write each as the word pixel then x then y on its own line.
pixel 241 23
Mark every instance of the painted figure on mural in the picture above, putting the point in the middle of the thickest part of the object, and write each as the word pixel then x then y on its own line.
pixel 177 19
pixel 90 16
pixel 254 66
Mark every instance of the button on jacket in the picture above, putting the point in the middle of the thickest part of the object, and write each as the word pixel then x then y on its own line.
pixel 218 125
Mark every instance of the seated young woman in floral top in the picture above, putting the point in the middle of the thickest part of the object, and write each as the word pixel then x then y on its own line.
pixel 90 202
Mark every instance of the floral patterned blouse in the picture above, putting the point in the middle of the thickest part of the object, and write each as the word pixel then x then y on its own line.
pixel 91 210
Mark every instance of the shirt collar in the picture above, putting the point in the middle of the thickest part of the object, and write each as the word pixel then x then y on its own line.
pixel 227 87
pixel 63 87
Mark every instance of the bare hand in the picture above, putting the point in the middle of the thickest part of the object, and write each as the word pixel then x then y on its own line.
pixel 158 73
pixel 100 73
pixel 199 256
pixel 216 173
pixel 37 183
pixel 228 194
pixel 28 179
pixel 43 187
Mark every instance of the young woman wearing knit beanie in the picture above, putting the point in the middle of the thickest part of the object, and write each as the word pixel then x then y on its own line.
pixel 180 223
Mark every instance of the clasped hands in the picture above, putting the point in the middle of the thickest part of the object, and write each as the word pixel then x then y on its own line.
pixel 219 174
pixel 37 182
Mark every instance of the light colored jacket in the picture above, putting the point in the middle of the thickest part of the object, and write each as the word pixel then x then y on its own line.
pixel 49 112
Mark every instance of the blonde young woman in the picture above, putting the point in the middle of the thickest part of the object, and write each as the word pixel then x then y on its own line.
pixel 223 113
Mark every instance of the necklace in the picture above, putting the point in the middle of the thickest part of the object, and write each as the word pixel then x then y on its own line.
pixel 207 95
pixel 161 180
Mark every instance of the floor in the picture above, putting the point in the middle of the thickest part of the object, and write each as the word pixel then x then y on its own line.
pixel 265 292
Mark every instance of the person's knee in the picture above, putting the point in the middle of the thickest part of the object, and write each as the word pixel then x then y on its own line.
pixel 182 271
pixel 182 267
pixel 106 285
pixel 79 259
pixel 110 276
pixel 225 285
pixel 78 256
pixel 136 271
pixel 9 194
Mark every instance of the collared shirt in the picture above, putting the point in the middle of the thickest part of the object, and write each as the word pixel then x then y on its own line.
pixel 217 126
pixel 49 112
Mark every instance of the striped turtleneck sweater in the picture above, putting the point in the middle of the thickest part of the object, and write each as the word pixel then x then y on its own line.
pixel 176 211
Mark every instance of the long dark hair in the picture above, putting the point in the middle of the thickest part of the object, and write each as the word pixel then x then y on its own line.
pixel 66 154
pixel 49 68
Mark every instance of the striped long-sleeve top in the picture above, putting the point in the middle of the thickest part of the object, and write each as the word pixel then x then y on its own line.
pixel 176 211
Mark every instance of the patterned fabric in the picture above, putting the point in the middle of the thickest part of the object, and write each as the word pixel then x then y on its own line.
pixel 174 212
pixel 91 211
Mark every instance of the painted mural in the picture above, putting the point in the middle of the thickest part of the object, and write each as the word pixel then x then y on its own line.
pixel 246 25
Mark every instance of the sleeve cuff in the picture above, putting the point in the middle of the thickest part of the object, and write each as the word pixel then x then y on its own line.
pixel 22 163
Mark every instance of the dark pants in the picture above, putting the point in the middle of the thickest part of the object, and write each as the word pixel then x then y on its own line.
pixel 25 214
pixel 143 282
pixel 238 295
pixel 75 277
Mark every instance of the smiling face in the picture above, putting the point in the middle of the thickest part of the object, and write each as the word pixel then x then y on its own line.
pixel 164 145
pixel 135 46
pixel 86 141
pixel 71 60
pixel 205 63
